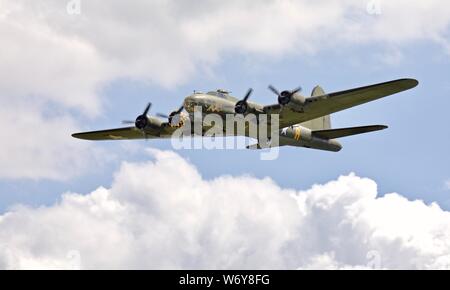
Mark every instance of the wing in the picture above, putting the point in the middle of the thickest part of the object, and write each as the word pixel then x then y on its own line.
pixel 319 106
pixel 127 133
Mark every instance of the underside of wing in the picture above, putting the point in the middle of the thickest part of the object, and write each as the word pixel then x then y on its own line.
pixel 319 106
pixel 127 133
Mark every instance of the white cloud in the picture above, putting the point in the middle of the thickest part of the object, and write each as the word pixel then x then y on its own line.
pixel 66 57
pixel 63 59
pixel 39 60
pixel 37 143
pixel 44 72
pixel 163 214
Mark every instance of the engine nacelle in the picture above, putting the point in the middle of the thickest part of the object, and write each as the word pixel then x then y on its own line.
pixel 178 120
pixel 154 122
pixel 296 102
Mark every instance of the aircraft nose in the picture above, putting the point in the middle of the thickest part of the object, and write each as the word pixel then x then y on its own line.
pixel 190 102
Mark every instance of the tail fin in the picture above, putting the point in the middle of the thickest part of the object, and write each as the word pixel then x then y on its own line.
pixel 322 123
pixel 317 91
pixel 344 132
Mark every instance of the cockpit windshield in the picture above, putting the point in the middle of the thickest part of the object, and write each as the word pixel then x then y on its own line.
pixel 217 94
pixel 220 93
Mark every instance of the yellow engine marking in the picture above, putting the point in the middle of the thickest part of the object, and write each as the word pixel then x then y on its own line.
pixel 297 133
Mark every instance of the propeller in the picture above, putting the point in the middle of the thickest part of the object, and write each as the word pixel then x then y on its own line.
pixel 171 115
pixel 179 110
pixel 241 106
pixel 285 96
pixel 141 121
pixel 161 115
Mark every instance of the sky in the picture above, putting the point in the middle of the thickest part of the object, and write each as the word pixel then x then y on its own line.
pixel 69 66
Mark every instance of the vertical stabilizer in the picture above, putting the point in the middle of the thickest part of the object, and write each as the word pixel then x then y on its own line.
pixel 322 123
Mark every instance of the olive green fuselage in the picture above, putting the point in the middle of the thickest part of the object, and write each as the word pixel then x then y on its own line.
pixel 223 106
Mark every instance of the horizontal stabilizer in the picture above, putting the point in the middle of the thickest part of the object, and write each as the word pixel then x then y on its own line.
pixel 344 132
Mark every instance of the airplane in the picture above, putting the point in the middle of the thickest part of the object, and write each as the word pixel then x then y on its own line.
pixel 303 121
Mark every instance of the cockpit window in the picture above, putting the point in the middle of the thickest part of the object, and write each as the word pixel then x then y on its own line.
pixel 219 93
pixel 222 91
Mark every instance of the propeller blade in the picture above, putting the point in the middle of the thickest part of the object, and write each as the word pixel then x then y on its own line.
pixel 162 115
pixel 249 92
pixel 180 109
pixel 296 90
pixel 147 109
pixel 274 90
pixel 128 122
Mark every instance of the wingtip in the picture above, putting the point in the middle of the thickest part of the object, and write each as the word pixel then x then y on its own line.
pixel 410 82
pixel 78 136
pixel 379 127
pixel 415 82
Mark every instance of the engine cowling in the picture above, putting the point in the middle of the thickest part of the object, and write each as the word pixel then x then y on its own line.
pixel 178 120
pixel 242 106
pixel 294 101
pixel 144 121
